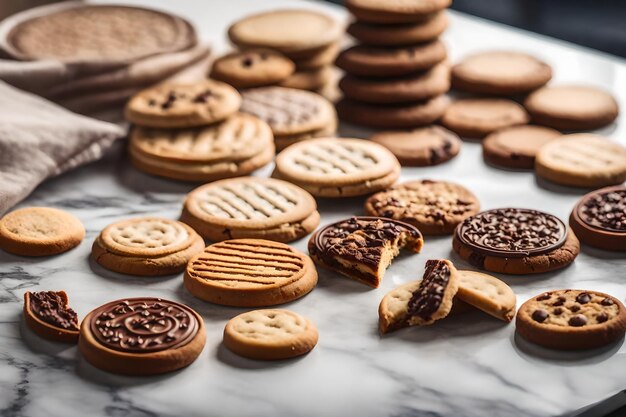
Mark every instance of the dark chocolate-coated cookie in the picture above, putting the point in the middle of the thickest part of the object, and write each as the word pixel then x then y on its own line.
pixel 48 314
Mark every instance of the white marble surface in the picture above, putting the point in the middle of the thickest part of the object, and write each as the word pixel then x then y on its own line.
pixel 467 366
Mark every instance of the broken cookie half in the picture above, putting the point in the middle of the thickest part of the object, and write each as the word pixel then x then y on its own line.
pixel 49 315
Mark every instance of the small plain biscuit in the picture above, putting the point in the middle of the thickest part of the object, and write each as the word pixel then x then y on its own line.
pixel 500 73
pixel 477 117
pixel 270 335
pixel 323 58
pixel 517 146
pixel 48 314
pixel 399 35
pixel 40 231
pixel 311 80
pixel 281 142
pixel 570 107
pixel 487 293
pixel 395 11
pixel 252 68
pixel 582 160
pixel 178 105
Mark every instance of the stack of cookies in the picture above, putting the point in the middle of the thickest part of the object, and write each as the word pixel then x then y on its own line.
pixel 397 74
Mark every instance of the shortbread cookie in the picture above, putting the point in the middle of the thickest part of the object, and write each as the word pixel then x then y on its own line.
pixel 48 314
pixel 141 336
pixel 252 68
pixel 395 11
pixel 146 246
pixel 515 241
pixel 311 79
pixel 571 319
pixel 425 146
pixel 177 105
pixel 270 335
pixel 434 207
pixel 572 107
pixel 582 160
pixel 500 73
pixel 40 231
pixel 399 35
pixel 323 58
pixel 421 302
pixel 417 87
pixel 372 61
pixel 235 147
pixel 337 167
pixel 477 117
pixel 487 293
pixel 393 116
pixel 250 207
pixel 517 146
pixel 599 218
pixel 362 248
pixel 289 111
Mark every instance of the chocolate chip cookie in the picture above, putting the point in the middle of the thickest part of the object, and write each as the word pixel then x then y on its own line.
pixel 252 68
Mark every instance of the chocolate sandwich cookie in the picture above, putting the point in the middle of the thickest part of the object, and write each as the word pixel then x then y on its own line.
pixel 141 336
pixel 252 68
pixel 517 146
pixel 478 117
pixel 400 34
pixel 572 319
pixel 395 11
pixel 362 248
pixel 515 241
pixel 599 218
pixel 48 314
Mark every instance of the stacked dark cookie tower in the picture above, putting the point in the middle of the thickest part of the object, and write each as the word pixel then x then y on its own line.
pixel 397 74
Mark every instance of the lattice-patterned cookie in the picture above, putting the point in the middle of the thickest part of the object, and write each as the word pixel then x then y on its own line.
pixel 329 167
pixel 146 246
pixel 251 208
pixel 250 273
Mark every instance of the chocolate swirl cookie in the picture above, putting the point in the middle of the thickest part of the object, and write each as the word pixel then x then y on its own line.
pixel 515 241
pixel 48 314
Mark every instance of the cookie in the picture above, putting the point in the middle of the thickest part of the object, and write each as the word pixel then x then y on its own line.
pixel 571 319
pixel 323 58
pixel 477 117
pixel 177 105
pixel 599 218
pixel 395 11
pixel 417 87
pixel 289 111
pixel 434 207
pixel 397 116
pixel 362 248
pixel 373 61
pixel 270 335
pixel 146 246
pixel 337 167
pixel 488 294
pixel 281 142
pixel 515 241
pixel 235 147
pixel 582 160
pixel 516 146
pixel 48 314
pixel 251 207
pixel 40 231
pixel 570 107
pixel 141 336
pixel 289 31
pixel 504 73
pixel 421 302
pixel 421 147
pixel 252 68
pixel 399 35
pixel 311 80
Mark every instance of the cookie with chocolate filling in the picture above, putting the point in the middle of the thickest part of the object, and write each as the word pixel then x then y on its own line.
pixel 515 241
pixel 362 248
pixel 48 314
pixel 571 319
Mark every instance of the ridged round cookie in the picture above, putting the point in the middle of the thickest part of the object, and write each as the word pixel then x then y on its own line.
pixel 146 246
pixel 571 319
pixel 570 107
pixel 487 293
pixel 399 35
pixel 250 273
pixel 252 68
pixel 178 105
pixel 582 160
pixel 517 146
pixel 270 335
pixel 434 207
pixel 500 73
pixel 395 11
pixel 477 117
pixel 337 167
pixel 250 207
pixel 40 231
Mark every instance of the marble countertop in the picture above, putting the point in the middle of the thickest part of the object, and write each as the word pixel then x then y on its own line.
pixel 466 366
